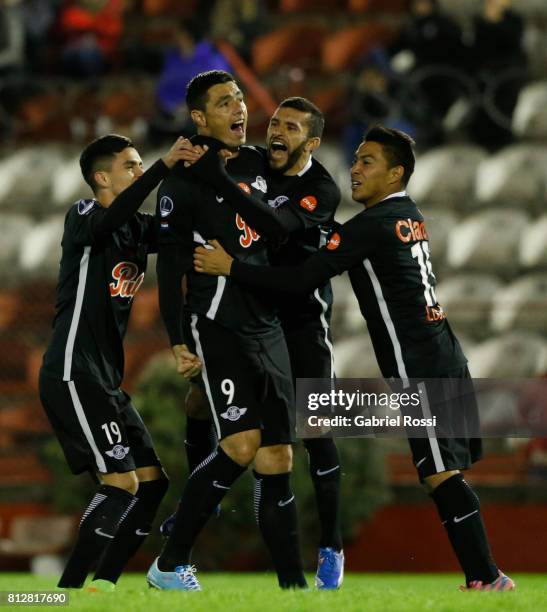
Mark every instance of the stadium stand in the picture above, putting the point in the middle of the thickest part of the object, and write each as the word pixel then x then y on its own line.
pixel 521 305
pixel 487 241
pixel 533 244
pixel 530 116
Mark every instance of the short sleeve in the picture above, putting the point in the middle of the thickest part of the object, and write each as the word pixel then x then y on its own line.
pixel 350 244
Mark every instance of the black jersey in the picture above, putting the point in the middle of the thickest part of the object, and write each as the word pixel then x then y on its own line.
pixel 97 284
pixel 102 267
pixel 385 249
pixel 313 197
pixel 190 213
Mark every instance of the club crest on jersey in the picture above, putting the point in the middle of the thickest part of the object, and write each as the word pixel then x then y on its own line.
pixel 166 206
pixel 249 234
pixel 260 184
pixel 118 451
pixel 84 206
pixel 279 201
pixel 127 280
pixel 334 242
pixel 309 203
pixel 233 413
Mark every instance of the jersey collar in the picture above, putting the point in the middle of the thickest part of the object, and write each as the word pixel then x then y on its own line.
pixel 305 168
pixel 399 194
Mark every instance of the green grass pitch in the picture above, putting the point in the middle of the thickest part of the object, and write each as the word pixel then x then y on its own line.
pixel 259 593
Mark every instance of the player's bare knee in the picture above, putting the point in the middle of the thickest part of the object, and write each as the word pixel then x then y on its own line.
pixel 242 447
pixel 127 481
pixel 151 472
pixel 274 459
pixel 432 482
pixel 196 404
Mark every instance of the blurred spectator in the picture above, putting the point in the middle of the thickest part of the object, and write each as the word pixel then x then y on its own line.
pixel 12 37
pixel 500 68
pixel 189 55
pixel 90 31
pixel 39 17
pixel 239 22
pixel 374 97
pixel 431 53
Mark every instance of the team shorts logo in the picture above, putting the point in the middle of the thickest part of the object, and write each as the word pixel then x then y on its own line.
pixel 127 280
pixel 309 203
pixel 118 452
pixel 245 187
pixel 233 413
pixel 334 242
pixel 249 234
pixel 279 201
pixel 260 184
pixel 166 206
pixel 84 206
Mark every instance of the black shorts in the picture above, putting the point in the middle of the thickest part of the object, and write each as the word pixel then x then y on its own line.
pixel 247 380
pixel 434 454
pixel 310 352
pixel 99 429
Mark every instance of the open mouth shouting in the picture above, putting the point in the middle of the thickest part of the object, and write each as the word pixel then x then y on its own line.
pixel 278 148
pixel 238 127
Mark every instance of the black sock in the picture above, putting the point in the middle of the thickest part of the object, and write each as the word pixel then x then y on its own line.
pixel 459 509
pixel 97 529
pixel 133 531
pixel 325 470
pixel 204 490
pixel 275 512
pixel 200 441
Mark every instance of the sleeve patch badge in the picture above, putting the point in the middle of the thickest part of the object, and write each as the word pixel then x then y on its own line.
pixel 309 203
pixel 334 242
pixel 166 206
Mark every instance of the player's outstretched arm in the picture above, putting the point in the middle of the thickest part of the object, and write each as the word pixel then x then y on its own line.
pixel 128 202
pixel 302 279
pixel 275 226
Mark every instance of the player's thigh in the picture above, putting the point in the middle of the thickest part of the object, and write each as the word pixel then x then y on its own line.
pixel 277 407
pixel 86 420
pixel 310 352
pixel 453 443
pixel 230 375
pixel 138 437
pixel 196 404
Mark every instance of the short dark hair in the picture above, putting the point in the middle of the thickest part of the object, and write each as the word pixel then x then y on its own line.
pixel 99 154
pixel 316 122
pixel 197 88
pixel 397 146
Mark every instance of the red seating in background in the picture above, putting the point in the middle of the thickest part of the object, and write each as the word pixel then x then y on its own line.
pixel 286 45
pixel 344 49
pixel 290 6
pixel 380 6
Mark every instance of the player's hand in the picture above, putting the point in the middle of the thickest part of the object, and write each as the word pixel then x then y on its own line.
pixel 212 260
pixel 188 364
pixel 182 150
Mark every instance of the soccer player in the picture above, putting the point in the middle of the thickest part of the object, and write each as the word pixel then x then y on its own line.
pixel 385 249
pixel 305 198
pixel 104 250
pixel 237 336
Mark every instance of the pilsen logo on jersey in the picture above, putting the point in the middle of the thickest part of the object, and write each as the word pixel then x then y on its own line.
pixel 309 203
pixel 249 234
pixel 128 280
pixel 334 242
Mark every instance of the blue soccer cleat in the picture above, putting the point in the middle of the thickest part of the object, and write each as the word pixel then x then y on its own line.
pixel 182 579
pixel 330 569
